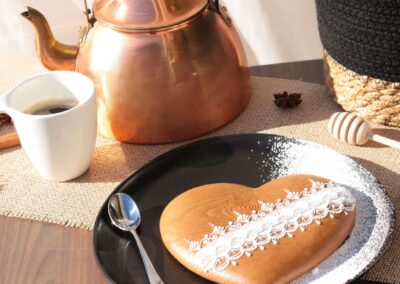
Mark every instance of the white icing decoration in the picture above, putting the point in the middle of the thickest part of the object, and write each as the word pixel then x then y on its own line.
pixel 273 221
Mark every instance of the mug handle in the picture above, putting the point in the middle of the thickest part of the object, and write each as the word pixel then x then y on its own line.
pixel 8 140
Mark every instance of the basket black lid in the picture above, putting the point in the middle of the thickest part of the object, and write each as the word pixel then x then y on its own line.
pixel 363 36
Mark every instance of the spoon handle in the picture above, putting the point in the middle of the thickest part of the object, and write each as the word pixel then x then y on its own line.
pixel 154 278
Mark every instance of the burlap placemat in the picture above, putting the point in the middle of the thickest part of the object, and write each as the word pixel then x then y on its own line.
pixel 76 203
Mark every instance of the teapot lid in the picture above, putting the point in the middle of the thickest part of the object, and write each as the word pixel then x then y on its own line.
pixel 146 14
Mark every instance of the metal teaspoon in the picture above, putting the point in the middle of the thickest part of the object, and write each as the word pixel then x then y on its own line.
pixel 125 215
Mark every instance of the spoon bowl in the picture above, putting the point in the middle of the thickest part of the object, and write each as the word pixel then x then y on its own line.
pixel 123 212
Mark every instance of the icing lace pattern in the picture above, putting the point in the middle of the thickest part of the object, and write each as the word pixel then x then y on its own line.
pixel 273 221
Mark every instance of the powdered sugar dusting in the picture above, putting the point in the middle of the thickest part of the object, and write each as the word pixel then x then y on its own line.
pixel 278 156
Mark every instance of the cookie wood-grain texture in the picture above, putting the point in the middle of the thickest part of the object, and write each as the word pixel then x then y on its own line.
pixel 189 215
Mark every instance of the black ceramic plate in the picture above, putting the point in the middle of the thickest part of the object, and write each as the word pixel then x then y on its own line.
pixel 250 159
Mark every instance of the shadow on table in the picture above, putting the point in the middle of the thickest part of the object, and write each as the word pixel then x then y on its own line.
pixel 114 163
pixel 262 113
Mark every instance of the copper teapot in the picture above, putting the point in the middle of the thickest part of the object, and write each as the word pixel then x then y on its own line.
pixel 164 70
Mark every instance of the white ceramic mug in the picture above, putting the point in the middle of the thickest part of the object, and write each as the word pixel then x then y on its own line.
pixel 60 145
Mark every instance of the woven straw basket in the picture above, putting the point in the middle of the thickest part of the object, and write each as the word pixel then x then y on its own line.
pixel 374 99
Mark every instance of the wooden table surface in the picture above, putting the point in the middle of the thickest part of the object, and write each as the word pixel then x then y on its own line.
pixel 38 252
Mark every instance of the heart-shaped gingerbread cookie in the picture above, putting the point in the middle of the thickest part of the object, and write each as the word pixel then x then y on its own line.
pixel 230 233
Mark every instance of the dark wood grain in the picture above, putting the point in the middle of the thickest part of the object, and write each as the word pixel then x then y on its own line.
pixel 38 252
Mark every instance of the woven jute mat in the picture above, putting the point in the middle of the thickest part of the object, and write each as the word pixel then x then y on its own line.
pixel 24 194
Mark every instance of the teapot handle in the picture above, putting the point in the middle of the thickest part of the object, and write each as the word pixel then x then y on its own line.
pixel 85 28
pixel 222 10
pixel 87 11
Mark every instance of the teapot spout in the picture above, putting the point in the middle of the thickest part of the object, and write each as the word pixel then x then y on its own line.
pixel 53 54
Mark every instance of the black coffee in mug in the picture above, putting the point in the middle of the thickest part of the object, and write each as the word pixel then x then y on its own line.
pixel 52 106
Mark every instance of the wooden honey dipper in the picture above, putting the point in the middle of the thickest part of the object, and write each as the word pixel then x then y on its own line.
pixel 351 129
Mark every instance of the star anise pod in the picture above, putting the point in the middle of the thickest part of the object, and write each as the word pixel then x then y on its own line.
pixel 4 119
pixel 286 100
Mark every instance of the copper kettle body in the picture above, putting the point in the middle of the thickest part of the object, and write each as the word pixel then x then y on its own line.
pixel 172 74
